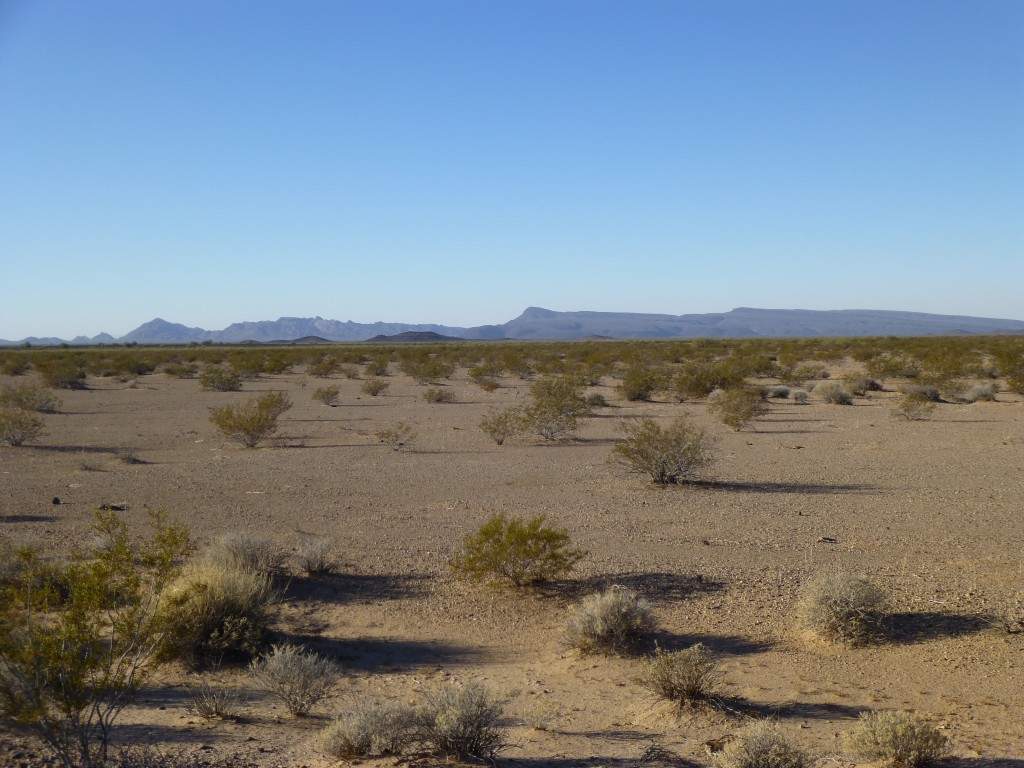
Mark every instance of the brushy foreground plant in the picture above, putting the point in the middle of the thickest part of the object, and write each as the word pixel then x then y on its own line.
pixel 380 728
pixel 501 425
pixel 522 552
pixel 671 454
pixel 897 739
pixel 298 678
pixel 18 426
pixel 460 722
pixel 842 607
pixel 689 676
pixel 246 551
pixel 253 421
pixel 760 745
pixel 29 397
pixel 609 622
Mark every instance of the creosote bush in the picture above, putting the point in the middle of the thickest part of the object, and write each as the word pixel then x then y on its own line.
pixel 438 395
pixel 327 395
pixel 760 745
pixel 686 677
pixel 253 421
pixel 556 405
pixel 610 622
pixel 217 379
pixel 375 387
pixel 833 393
pixel 842 607
pixel 501 425
pixel 520 552
pixel 396 437
pixel 29 397
pixel 298 678
pixel 671 454
pixel 915 406
pixel 897 739
pixel 460 722
pixel 18 426
pixel 736 407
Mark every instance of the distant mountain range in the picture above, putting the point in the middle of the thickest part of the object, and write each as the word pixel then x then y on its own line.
pixel 537 323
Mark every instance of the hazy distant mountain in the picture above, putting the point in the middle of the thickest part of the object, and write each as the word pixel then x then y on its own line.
pixel 538 323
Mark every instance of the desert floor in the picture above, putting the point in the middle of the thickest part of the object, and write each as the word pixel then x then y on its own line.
pixel 931 510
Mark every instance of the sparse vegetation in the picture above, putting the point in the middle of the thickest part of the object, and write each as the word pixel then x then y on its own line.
pixel 329 395
pixel 217 379
pixel 501 425
pixel 610 622
pixel 915 406
pixel 381 728
pixel 896 739
pixel 737 407
pixel 555 408
pixel 375 387
pixel 761 745
pixel 982 392
pixel 833 393
pixel 520 552
pixel 18 426
pixel 211 699
pixel 460 722
pixel 672 454
pixel 397 436
pixel 438 395
pixel 315 556
pixel 253 421
pixel 246 551
pixel 842 607
pixel 298 678
pixel 686 677
pixel 29 397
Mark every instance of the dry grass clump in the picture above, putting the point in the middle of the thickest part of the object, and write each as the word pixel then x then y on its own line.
pixel 609 622
pixel 369 729
pixel 397 436
pixel 245 551
pixel 668 455
pixel 315 556
pixel 460 722
pixel 842 607
pixel 897 739
pixel 833 393
pixel 18 426
pixel 760 745
pixel 211 611
pixel 521 552
pixel 298 678
pixel 685 677
pixel 29 397
pixel 328 395
pixel 212 700
pixel 438 395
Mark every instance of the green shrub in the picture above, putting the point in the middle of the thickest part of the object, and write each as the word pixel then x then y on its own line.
pixel 369 729
pixel 927 391
pixel 610 622
pixel 253 421
pixel 398 436
pixel 182 370
pixel 522 552
pixel 639 383
pixel 374 387
pixel 438 395
pixel 18 427
pixel 685 677
pixel 377 367
pixel 897 739
pixel 778 391
pixel 460 722
pixel 859 385
pixel 842 607
pixel 555 407
pixel 298 678
pixel 501 425
pixel 667 455
pixel 738 406
pixel 29 397
pixel 327 395
pixel 217 379
pixel 915 406
pixel 760 745
pixel 809 370
pixel 700 380
pixel 834 393
pixel 323 367
pixel 60 373
pixel 893 366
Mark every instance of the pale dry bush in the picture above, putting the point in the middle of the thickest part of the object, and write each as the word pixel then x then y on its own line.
pixel 212 699
pixel 397 436
pixel 328 395
pixel 298 678
pixel 685 677
pixel 833 393
pixel 609 622
pixel 897 739
pixel 800 397
pixel 380 728
pixel 842 607
pixel 983 392
pixel 460 721
pixel 18 426
pixel 761 745
pixel 247 551
pixel 914 406
pixel 438 395
pixel 315 556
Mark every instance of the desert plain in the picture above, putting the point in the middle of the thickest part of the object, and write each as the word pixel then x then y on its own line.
pixel 930 510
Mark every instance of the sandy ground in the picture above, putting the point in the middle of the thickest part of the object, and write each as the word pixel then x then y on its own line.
pixel 931 510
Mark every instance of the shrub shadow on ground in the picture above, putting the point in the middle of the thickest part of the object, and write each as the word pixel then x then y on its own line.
pixel 655 586
pixel 802 710
pixel 366 654
pixel 723 645
pixel 808 488
pixel 343 588
pixel 915 627
pixel 653 756
pixel 28 519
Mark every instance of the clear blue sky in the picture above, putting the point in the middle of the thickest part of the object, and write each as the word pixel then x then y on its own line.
pixel 454 161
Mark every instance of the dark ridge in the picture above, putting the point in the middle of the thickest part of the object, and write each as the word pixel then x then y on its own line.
pixel 412 336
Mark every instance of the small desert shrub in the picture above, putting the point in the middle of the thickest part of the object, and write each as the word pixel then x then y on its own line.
pixel 898 739
pixel 609 622
pixel 213 611
pixel 14 367
pixel 460 722
pixel 181 370
pixel 29 397
pixel 397 436
pixel 252 421
pixel 61 374
pixel 247 551
pixel 834 393
pixel 211 699
pixel 842 607
pixel 639 383
pixel 702 379
pixel 438 395
pixel 915 406
pixel 800 397
pixel 555 407
pixel 501 425
pixel 926 391
pixel 669 454
pixel 18 427
pixel 811 370
pixel 298 678
pixel 315 557
pixel 738 406
pixel 377 367
pixel 374 387
pixel 860 385
pixel 369 729
pixel 760 745
pixel 127 455
pixel 327 395
pixel 984 392
pixel 684 677
pixel 323 367
pixel 596 400
pixel 778 391
pixel 217 379
pixel 521 552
